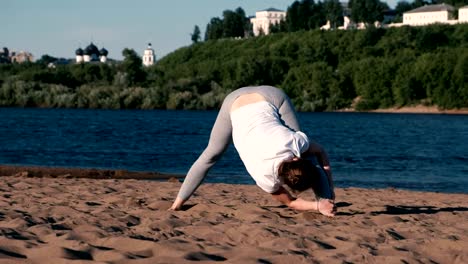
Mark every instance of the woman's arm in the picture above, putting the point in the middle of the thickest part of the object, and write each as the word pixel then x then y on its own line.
pixel 317 150
pixel 324 206
pixel 322 157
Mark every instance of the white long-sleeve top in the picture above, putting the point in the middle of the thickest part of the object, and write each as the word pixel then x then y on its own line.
pixel 263 142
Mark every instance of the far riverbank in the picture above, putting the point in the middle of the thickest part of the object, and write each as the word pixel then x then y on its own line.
pixel 418 109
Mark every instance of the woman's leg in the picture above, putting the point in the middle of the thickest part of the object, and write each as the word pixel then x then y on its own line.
pixel 220 138
pixel 280 99
pixel 288 114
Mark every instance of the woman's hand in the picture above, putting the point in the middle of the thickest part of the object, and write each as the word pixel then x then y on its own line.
pixel 324 206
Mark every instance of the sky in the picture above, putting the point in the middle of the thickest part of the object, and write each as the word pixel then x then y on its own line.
pixel 59 27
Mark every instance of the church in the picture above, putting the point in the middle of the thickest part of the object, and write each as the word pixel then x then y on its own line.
pixel 91 54
pixel 149 57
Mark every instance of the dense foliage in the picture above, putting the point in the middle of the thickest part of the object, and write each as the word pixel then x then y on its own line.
pixel 233 24
pixel 326 70
pixel 320 70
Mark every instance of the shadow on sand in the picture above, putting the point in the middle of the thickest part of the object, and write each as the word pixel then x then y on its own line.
pixel 403 209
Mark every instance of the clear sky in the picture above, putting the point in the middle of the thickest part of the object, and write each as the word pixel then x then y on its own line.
pixel 59 27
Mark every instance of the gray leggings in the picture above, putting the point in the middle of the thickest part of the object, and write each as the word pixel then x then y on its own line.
pixel 221 134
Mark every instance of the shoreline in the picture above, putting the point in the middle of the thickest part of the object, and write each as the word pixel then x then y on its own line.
pixel 417 109
pixel 36 171
pixel 89 173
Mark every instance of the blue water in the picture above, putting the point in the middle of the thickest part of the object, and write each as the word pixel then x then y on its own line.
pixel 370 150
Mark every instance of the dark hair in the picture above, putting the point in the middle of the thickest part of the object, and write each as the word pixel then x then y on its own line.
pixel 299 174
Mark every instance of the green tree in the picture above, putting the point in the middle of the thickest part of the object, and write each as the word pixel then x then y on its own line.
pixel 419 3
pixel 5 52
pixel 333 12
pixel 305 15
pixel 279 27
pixel 92 73
pixel 195 36
pixel 373 80
pixel 305 11
pixel 309 86
pixel 46 59
pixel 460 79
pixel 406 88
pixel 107 73
pixel 214 29
pixel 4 56
pixel 402 7
pixel 234 23
pixel 299 15
pixel 431 37
pixel 367 11
pixel 132 67
pixel 342 90
pixel 318 16
pixel 293 18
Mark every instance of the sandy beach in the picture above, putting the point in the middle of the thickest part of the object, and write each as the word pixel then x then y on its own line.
pixel 67 219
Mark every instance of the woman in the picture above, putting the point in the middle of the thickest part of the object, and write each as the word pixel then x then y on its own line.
pixel 262 123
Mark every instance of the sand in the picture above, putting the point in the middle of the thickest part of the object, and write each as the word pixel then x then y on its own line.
pixel 80 220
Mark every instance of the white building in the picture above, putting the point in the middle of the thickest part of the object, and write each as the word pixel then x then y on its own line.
pixel 148 56
pixel 429 14
pixel 463 14
pixel 91 53
pixel 22 56
pixel 263 19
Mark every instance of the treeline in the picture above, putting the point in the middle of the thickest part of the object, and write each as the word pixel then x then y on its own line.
pixel 310 15
pixel 320 70
pixel 327 70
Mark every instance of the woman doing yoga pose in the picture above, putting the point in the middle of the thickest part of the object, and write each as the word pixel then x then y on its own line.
pixel 262 123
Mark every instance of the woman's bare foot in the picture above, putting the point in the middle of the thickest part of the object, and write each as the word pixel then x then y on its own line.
pixel 326 207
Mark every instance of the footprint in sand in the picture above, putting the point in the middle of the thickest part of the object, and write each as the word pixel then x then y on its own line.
pixel 10 253
pixel 323 244
pixel 131 220
pixel 76 254
pixel 202 256
pixel 395 235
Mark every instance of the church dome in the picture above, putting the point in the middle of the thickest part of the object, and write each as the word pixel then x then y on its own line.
pixel 103 52
pixel 79 52
pixel 91 50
